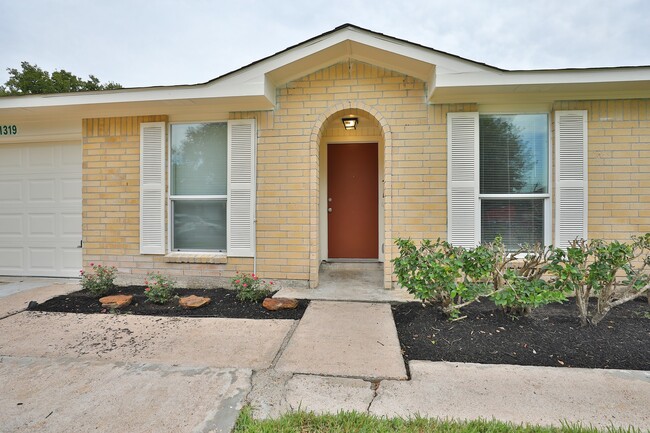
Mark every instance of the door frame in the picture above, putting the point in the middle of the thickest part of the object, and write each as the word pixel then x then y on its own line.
pixel 323 220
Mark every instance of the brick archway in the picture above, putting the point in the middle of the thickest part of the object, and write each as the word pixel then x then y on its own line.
pixel 314 184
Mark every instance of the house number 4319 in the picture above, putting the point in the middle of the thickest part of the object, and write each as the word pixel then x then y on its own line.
pixel 8 130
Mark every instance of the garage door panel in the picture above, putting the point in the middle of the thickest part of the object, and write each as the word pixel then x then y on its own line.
pixel 41 258
pixel 11 193
pixel 41 225
pixel 40 156
pixel 40 209
pixel 42 191
pixel 70 190
pixel 70 223
pixel 70 261
pixel 10 158
pixel 11 260
pixel 11 226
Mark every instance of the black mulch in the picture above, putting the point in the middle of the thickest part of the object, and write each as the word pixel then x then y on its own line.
pixel 550 336
pixel 223 304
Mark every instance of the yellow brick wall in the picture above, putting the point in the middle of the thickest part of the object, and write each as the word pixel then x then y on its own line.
pixel 308 110
pixel 111 212
pixel 307 114
pixel 619 166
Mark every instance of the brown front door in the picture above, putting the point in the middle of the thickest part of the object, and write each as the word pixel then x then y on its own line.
pixel 352 186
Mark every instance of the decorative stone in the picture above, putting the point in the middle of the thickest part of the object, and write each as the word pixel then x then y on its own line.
pixel 274 304
pixel 116 301
pixel 193 301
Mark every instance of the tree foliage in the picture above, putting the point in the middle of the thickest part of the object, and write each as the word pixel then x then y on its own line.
pixel 31 79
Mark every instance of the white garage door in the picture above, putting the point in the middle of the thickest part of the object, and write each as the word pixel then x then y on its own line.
pixel 40 209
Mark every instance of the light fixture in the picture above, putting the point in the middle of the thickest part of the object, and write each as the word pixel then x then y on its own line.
pixel 350 122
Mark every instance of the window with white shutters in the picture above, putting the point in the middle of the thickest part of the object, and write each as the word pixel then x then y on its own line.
pixel 498 178
pixel 211 188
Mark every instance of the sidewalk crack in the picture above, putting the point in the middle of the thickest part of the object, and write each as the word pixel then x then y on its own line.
pixel 374 385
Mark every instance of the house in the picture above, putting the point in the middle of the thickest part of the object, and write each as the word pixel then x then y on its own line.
pixel 255 171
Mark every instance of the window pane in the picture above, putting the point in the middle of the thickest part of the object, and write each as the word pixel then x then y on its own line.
pixel 199 155
pixel 514 154
pixel 199 225
pixel 517 221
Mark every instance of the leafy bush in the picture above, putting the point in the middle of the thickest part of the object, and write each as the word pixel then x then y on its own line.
pixel 613 272
pixel 160 289
pixel 455 277
pixel 250 287
pixel 100 280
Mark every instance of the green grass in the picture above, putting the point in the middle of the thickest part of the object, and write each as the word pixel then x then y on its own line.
pixel 352 422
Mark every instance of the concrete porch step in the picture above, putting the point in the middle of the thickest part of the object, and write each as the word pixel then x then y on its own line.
pixel 349 281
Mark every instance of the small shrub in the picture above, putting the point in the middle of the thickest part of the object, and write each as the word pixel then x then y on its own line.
pixel 250 287
pixel 100 280
pixel 455 277
pixel 160 289
pixel 613 272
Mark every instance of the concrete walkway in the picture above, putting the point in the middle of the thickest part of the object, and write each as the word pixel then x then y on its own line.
pixel 349 339
pixel 101 373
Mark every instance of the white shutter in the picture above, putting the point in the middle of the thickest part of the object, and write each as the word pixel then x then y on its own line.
pixel 241 188
pixel 570 176
pixel 463 207
pixel 152 188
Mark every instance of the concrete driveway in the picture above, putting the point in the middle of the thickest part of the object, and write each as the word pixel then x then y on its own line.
pixel 105 373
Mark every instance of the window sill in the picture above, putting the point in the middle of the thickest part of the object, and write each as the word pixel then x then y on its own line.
pixel 188 257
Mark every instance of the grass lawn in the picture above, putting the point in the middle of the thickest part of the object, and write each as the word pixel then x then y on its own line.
pixel 349 422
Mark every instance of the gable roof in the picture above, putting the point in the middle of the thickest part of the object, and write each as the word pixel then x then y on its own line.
pixel 449 79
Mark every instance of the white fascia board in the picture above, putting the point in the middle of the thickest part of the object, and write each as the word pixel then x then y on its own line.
pixel 574 76
pixel 244 85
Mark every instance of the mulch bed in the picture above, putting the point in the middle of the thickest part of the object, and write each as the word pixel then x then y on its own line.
pixel 549 336
pixel 223 304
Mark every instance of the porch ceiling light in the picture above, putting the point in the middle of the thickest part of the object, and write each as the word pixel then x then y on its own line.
pixel 350 122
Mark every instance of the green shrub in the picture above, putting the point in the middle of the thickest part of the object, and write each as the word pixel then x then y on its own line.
pixel 250 287
pixel 613 272
pixel 159 289
pixel 455 277
pixel 100 281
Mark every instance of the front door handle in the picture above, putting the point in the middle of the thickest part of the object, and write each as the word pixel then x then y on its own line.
pixel 329 209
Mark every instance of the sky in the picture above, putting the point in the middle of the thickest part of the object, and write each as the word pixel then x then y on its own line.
pixel 167 42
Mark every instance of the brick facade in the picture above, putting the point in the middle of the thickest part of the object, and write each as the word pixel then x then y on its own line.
pixel 413 136
pixel 619 166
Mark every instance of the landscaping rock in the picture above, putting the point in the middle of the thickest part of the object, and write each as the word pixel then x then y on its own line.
pixel 274 304
pixel 193 301
pixel 116 301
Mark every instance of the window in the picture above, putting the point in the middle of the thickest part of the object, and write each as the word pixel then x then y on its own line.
pixel 513 181
pixel 198 186
pixel 498 178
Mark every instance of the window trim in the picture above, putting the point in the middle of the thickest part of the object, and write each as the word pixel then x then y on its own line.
pixel 547 196
pixel 171 198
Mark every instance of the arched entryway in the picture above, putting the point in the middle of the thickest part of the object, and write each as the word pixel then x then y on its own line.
pixel 350 186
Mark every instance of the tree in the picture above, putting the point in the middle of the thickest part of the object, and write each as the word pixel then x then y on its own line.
pixel 33 80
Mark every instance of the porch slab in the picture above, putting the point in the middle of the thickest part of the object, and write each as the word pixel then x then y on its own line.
pixel 347 339
pixel 62 395
pixel 519 394
pixel 349 281
pixel 206 342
